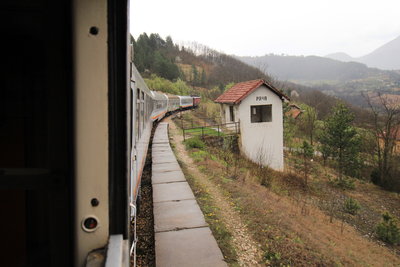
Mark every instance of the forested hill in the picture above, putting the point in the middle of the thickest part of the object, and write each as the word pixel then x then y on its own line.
pixel 197 65
pixel 311 68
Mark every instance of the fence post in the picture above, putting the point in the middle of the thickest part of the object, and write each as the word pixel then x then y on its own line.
pixel 184 139
pixel 218 130
pixel 181 119
pixel 202 132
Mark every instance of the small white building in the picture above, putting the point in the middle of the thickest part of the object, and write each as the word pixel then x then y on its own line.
pixel 257 106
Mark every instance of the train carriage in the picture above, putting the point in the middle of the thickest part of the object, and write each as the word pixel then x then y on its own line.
pixel 160 106
pixel 173 103
pixel 196 101
pixel 185 102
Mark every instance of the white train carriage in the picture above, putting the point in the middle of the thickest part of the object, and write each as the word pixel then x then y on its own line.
pixel 141 115
pixel 160 106
pixel 173 103
pixel 186 102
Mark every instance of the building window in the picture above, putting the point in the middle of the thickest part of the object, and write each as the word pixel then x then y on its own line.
pixel 231 113
pixel 261 113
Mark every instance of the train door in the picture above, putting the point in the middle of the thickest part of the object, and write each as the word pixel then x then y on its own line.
pixel 36 134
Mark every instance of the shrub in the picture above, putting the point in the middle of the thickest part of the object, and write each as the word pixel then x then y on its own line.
pixel 345 183
pixel 351 206
pixel 388 230
pixel 194 142
pixel 375 176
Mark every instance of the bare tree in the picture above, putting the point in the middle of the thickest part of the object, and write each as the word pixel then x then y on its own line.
pixel 309 122
pixel 386 126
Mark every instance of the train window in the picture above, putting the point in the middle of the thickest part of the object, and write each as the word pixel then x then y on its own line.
pixel 137 113
pixel 142 110
pixel 131 118
pixel 145 106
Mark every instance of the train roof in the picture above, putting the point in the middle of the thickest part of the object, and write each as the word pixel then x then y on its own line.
pixel 159 95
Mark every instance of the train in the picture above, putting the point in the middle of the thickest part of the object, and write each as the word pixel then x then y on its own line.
pixel 75 124
pixel 151 107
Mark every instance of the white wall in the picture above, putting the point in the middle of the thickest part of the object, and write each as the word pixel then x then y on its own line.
pixel 225 115
pixel 264 140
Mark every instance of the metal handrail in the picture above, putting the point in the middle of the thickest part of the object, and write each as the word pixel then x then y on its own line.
pixel 218 126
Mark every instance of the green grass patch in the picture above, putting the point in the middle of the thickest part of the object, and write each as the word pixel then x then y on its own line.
pixel 194 142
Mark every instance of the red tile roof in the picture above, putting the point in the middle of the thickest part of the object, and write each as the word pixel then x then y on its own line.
pixel 240 91
pixel 294 113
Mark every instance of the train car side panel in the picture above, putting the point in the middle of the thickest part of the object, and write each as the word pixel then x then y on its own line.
pixel 160 102
pixel 91 129
pixel 186 102
pixel 173 103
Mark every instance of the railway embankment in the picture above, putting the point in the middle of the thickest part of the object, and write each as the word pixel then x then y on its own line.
pixel 287 221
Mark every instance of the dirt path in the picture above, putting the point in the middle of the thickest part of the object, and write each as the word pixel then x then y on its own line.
pixel 248 251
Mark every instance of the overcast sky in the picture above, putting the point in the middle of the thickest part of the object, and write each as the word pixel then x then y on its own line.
pixel 259 27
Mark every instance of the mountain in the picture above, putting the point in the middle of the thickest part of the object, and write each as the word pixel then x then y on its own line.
pixel 310 68
pixel 341 57
pixel 386 57
pixel 347 80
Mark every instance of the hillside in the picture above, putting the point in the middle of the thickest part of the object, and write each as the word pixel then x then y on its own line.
pixel 282 221
pixel 197 65
pixel 386 57
pixel 346 80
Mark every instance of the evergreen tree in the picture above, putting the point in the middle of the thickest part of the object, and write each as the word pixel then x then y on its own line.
pixel 195 75
pixel 169 42
pixel 143 55
pixel 164 67
pixel 341 141
pixel 203 77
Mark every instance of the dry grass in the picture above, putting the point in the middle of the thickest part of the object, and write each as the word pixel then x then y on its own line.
pixel 294 231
